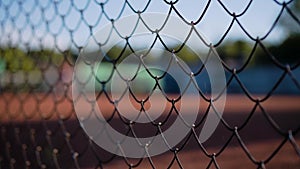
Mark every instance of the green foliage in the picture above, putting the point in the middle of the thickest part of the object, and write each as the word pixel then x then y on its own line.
pixel 14 59
pixel 27 67
pixel 235 50
pixel 46 57
pixel 117 53
pixel 296 5
pixel 288 52
pixel 187 54
pixel 287 23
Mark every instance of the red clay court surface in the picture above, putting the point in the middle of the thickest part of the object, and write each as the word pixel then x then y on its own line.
pixel 258 135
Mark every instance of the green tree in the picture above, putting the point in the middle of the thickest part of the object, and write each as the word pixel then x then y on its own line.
pixel 287 22
pixel 288 51
pixel 235 52
pixel 14 59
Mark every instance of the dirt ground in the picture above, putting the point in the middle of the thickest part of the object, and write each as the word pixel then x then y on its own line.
pixel 233 157
pixel 258 135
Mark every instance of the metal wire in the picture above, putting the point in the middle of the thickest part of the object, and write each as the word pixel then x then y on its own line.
pixel 38 124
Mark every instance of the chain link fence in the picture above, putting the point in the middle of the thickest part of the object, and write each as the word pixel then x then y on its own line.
pixel 41 40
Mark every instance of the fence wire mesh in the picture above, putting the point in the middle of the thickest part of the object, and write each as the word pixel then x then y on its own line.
pixel 40 41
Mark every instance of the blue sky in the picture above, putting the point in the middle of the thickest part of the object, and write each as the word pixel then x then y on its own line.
pixel 257 20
